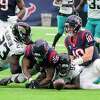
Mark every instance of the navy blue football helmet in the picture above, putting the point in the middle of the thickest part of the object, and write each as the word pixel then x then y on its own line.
pixel 73 21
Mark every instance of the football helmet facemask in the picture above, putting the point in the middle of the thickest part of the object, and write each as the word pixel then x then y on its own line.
pixel 64 64
pixel 74 22
pixel 22 32
pixel 40 47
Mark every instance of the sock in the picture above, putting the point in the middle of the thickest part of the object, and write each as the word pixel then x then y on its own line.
pixel 56 38
pixel 98 47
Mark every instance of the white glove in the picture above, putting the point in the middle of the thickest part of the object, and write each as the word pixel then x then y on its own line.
pixel 76 70
pixel 12 19
pixel 78 61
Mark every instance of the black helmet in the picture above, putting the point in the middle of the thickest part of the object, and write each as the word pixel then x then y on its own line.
pixel 64 58
pixel 22 32
pixel 74 21
pixel 64 64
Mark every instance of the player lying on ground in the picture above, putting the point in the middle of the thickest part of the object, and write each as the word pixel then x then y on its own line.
pixel 43 55
pixel 13 44
pixel 49 63
pixel 48 73
pixel 9 16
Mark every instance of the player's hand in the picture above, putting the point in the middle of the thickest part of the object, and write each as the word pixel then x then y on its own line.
pixel 76 69
pixel 30 85
pixel 12 19
pixel 5 81
pixel 33 84
pixel 77 61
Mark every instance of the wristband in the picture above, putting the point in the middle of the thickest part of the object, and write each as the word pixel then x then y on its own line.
pixel 30 79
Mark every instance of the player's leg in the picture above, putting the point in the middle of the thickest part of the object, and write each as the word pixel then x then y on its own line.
pixel 90 26
pixel 17 75
pixel 97 35
pixel 14 64
pixel 4 65
pixel 90 75
pixel 60 23
pixel 15 68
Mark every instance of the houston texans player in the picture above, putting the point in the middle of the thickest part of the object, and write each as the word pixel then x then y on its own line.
pixel 82 51
pixel 66 8
pixel 9 14
pixel 7 11
pixel 43 55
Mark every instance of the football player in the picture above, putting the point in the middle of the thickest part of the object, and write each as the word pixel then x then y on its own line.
pixel 7 11
pixel 45 57
pixel 93 22
pixel 66 76
pixel 82 51
pixel 66 8
pixel 8 15
pixel 13 43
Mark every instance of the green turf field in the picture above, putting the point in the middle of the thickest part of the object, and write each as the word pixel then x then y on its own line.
pixel 18 92
pixel 48 33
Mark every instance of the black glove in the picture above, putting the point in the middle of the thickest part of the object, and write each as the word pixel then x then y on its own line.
pixel 36 84
pixel 33 84
pixel 5 81
pixel 27 85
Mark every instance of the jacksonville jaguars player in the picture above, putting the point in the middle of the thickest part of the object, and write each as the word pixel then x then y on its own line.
pixel 66 76
pixel 12 43
pixel 82 51
pixel 66 8
pixel 93 22
pixel 8 16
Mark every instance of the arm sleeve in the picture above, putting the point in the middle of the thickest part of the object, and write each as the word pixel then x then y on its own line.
pixel 28 52
pixel 89 40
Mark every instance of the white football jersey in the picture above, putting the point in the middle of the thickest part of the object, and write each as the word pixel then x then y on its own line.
pixel 94 9
pixel 8 44
pixel 65 9
pixel 63 6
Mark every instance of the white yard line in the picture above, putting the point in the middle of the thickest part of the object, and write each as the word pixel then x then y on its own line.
pixel 52 34
pixel 59 45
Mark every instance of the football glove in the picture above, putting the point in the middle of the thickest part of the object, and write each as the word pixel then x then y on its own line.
pixel 33 84
pixel 5 81
pixel 12 19
pixel 77 61
pixel 76 70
